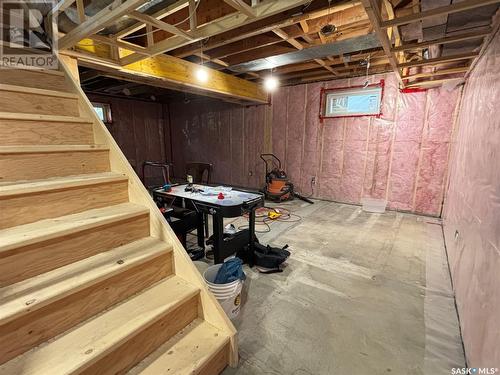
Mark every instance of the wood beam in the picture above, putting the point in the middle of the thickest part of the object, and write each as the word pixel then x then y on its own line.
pixel 435 82
pixel 440 60
pixel 174 73
pixel 446 40
pixel 262 10
pixel 178 5
pixel 374 14
pixel 261 26
pixel 378 70
pixel 242 7
pixel 80 8
pixel 305 26
pixel 148 20
pixel 294 42
pixel 120 44
pixel 150 38
pixel 193 20
pixel 89 75
pixel 462 69
pixel 244 45
pixel 453 8
pixel 98 22
pixel 394 31
pixel 61 6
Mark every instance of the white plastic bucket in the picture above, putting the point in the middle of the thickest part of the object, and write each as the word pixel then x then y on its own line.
pixel 374 205
pixel 228 295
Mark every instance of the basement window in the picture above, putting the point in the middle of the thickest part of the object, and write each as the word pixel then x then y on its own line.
pixel 352 102
pixel 103 111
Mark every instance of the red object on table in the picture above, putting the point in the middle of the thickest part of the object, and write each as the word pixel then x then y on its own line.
pixel 220 196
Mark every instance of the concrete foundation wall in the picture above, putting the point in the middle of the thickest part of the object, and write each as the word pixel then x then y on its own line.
pixel 401 157
pixel 472 211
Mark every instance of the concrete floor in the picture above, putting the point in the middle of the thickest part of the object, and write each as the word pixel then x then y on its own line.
pixel 362 293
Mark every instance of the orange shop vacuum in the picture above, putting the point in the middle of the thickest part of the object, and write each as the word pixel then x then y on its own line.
pixel 278 188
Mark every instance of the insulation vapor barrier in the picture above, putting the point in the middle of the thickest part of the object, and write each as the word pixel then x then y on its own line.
pixel 401 156
pixel 471 214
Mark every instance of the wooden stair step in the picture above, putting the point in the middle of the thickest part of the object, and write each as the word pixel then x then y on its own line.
pixel 199 348
pixel 46 305
pixel 31 201
pixel 20 99
pixel 20 163
pixel 33 129
pixel 119 338
pixel 31 249
pixel 41 79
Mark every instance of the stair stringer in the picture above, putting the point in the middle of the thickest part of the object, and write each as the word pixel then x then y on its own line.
pixel 210 309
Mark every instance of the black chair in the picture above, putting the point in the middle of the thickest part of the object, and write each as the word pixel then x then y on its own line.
pixel 181 220
pixel 201 173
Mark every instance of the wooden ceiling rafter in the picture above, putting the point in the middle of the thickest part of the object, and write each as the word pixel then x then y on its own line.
pixel 440 11
pixel 375 15
pixel 261 27
pixel 171 9
pixel 262 10
pixel 294 42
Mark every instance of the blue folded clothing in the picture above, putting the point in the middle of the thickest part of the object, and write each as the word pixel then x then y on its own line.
pixel 230 271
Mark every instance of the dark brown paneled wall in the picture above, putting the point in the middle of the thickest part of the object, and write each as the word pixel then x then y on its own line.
pixel 141 129
pixel 229 136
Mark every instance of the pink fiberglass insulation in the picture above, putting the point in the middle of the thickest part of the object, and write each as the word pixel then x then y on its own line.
pixel 471 214
pixel 401 157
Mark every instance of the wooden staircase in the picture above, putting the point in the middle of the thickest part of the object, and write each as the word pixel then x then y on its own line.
pixel 92 278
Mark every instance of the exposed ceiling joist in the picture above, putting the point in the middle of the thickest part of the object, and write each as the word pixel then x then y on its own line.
pixel 98 22
pixel 265 9
pixel 241 6
pixel 453 8
pixel 193 19
pixel 374 14
pixel 61 6
pixel 177 6
pixel 118 43
pixel 294 42
pixel 446 40
pixel 160 24
pixel 462 69
pixel 434 82
pixel 440 60
pixel 262 26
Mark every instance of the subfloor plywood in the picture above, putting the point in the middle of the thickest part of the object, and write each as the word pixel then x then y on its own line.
pixel 357 297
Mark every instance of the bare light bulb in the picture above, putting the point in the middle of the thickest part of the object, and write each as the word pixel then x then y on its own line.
pixel 271 83
pixel 201 74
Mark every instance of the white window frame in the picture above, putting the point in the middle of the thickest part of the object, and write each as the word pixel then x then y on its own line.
pixel 335 102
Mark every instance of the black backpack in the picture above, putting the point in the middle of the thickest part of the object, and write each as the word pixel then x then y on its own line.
pixel 266 258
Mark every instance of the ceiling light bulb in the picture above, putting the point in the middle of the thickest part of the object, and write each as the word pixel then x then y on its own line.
pixel 271 83
pixel 202 74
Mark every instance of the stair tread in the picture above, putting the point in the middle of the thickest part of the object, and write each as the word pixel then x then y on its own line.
pixel 37 117
pixel 15 188
pixel 96 337
pixel 56 284
pixel 30 149
pixel 26 234
pixel 185 353
pixel 31 90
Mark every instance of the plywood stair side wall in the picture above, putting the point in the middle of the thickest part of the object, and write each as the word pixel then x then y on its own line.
pixel 210 310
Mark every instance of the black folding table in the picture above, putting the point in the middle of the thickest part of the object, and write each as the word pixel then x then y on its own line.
pixel 236 202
